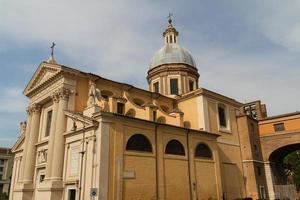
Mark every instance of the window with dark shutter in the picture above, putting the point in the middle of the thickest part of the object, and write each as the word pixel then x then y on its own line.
pixel 120 108
pixel 48 123
pixel 156 87
pixel 191 85
pixel 222 116
pixel 279 127
pixel 174 86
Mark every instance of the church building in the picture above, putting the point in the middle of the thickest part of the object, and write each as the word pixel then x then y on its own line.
pixel 87 137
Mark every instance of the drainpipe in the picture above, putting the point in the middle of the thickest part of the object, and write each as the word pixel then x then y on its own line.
pixel 156 162
pixel 192 185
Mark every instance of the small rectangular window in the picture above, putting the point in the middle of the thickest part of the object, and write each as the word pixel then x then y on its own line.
pixel 222 116
pixel 2 161
pixel 42 178
pixel 72 194
pixel 279 127
pixel 258 171
pixel 262 192
pixel 156 87
pixel 48 123
pixel 1 169
pixel 120 108
pixel 154 116
pixel 191 85
pixel 174 86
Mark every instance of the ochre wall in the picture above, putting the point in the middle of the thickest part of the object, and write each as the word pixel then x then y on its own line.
pixel 266 127
pixel 190 108
pixel 231 133
pixel 157 173
pixel 252 156
pixel 143 185
pixel 176 178
pixel 206 179
pixel 232 181
pixel 81 94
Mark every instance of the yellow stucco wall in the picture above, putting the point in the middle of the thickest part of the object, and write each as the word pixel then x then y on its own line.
pixel 157 173
pixel 190 108
pixel 143 185
pixel 176 178
pixel 291 123
pixel 206 180
pixel 81 94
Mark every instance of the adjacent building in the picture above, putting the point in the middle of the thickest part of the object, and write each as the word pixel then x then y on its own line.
pixel 87 137
pixel 6 165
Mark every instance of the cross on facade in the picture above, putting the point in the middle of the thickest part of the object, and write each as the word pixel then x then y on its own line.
pixel 52 48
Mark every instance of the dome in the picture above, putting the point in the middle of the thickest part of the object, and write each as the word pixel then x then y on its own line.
pixel 172 53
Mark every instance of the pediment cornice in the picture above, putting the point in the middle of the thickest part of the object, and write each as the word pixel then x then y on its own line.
pixel 47 73
pixel 19 143
pixel 44 73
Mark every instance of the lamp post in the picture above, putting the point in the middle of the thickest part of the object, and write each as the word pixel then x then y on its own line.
pixel 82 152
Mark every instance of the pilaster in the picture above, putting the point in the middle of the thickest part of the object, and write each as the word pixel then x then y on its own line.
pixel 58 156
pixel 269 178
pixel 32 139
pixel 27 135
pixel 14 176
pixel 55 99
pixel 30 152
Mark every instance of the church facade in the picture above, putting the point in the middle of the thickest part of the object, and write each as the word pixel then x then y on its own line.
pixel 87 137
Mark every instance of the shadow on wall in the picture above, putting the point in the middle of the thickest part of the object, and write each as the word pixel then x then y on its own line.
pixel 232 178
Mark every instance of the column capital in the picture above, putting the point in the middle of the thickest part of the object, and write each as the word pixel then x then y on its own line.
pixel 55 97
pixel 28 110
pixel 63 93
pixel 34 108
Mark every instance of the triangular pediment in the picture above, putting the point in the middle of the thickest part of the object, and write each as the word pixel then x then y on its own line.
pixel 44 73
pixel 19 145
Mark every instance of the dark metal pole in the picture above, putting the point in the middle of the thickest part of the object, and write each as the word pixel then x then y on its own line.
pixel 82 152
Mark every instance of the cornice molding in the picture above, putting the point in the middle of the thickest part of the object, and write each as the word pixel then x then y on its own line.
pixel 44 85
pixel 169 68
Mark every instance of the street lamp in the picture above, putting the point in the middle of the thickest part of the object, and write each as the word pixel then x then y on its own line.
pixel 82 152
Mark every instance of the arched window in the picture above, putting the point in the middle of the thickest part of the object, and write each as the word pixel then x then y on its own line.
pixel 175 147
pixel 130 113
pixel 203 151
pixel 139 142
pixel 161 120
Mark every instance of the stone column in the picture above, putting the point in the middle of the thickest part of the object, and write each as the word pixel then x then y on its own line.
pixel 55 98
pixel 59 140
pixel 270 181
pixel 27 132
pixel 32 140
pixel 14 176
